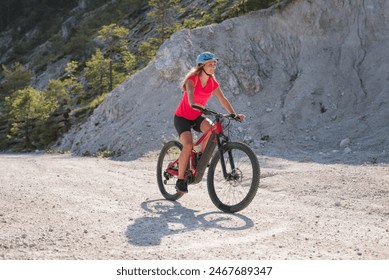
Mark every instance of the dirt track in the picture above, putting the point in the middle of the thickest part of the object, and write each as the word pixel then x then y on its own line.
pixel 65 207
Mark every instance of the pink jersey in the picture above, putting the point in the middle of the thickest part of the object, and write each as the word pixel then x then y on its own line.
pixel 200 95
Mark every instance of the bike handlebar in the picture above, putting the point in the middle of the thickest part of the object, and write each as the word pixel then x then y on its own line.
pixel 208 111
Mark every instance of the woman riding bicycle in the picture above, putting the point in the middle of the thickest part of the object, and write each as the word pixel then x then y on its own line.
pixel 198 86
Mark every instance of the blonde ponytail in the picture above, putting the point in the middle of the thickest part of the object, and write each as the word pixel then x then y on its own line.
pixel 195 71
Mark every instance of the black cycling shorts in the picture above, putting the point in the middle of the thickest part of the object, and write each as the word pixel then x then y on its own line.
pixel 183 124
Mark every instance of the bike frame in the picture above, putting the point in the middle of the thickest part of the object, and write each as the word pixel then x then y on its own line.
pixel 217 138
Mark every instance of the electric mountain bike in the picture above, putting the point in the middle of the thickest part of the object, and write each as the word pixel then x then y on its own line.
pixel 233 168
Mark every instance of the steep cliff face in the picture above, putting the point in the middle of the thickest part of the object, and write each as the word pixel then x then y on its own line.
pixel 307 75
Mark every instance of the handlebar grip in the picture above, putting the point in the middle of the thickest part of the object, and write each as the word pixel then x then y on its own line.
pixel 234 117
pixel 197 108
pixel 205 111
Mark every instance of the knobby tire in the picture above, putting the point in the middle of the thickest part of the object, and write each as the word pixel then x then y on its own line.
pixel 169 153
pixel 235 193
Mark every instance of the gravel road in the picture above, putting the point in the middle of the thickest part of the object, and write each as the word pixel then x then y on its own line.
pixel 67 207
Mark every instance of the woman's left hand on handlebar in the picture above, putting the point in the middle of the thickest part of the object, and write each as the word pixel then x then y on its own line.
pixel 241 117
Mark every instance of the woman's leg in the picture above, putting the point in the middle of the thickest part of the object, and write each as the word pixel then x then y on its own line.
pixel 206 124
pixel 187 142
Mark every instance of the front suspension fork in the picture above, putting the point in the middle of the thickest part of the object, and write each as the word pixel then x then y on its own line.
pixel 220 143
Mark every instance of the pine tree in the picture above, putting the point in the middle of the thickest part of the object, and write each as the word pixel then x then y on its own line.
pixel 73 85
pixel 111 64
pixel 97 73
pixel 165 14
pixel 120 60
pixel 16 77
pixel 27 106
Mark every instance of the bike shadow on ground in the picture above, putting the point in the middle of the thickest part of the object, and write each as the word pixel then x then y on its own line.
pixel 170 217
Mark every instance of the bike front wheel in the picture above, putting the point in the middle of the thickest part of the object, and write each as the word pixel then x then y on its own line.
pixel 233 191
pixel 166 181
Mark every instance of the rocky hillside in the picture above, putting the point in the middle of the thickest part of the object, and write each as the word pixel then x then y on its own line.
pixel 38 40
pixel 312 78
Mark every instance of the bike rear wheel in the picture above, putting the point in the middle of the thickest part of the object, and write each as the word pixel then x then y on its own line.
pixel 234 193
pixel 167 182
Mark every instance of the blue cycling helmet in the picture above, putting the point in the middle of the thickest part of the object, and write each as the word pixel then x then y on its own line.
pixel 204 57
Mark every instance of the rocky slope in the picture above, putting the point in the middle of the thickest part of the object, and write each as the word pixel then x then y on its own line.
pixel 312 77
